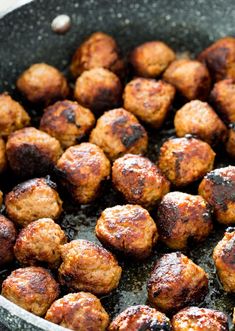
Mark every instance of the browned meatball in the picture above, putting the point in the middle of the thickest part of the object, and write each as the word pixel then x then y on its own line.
pixel 3 158
pixel 151 58
pixel 7 240
pixel 185 160
pixel 176 282
pixel 118 132
pixel 230 144
pixel 141 317
pixel 82 169
pixel 218 188
pixel 88 267
pixel 67 121
pixel 139 180
pixel 128 229
pixel 42 83
pixel 191 78
pixel 98 51
pixel 198 118
pixel 78 311
pixel 32 152
pixel 148 99
pixel 33 199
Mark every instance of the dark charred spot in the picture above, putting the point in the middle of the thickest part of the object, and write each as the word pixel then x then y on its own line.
pixel 218 179
pixel 69 114
pixel 137 132
pixel 155 325
pixel 156 293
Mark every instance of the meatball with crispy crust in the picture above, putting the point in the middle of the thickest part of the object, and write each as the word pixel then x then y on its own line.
pixel 7 240
pixel 3 158
pixel 32 288
pixel 230 144
pixel 33 199
pixel 79 311
pixel 88 267
pixel 185 160
pixel 176 282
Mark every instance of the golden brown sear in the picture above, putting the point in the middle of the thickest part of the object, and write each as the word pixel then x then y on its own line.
pixel 32 288
pixel 88 267
pixel 230 144
pixel 3 158
pixel 7 240
pixel 79 312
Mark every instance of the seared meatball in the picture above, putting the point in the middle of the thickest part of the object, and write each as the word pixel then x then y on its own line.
pixel 191 78
pixel 149 100
pixel 230 144
pixel 7 240
pixel 42 83
pixel 82 169
pixel 67 121
pixel 32 152
pixel 151 58
pixel 33 199
pixel 139 180
pixel 218 188
pixel 128 229
pixel 98 89
pixel 3 159
pixel 176 282
pixel 184 160
pixel 32 288
pixel 88 267
pixel 199 119
pixel 141 317
pixel 78 311
pixel 118 132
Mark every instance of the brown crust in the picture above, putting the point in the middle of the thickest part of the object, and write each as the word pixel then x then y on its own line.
pixel 7 240
pixel 230 144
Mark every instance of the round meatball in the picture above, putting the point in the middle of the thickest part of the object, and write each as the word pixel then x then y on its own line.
pixel 176 282
pixel 7 240
pixel 3 159
pixel 139 180
pixel 82 170
pixel 88 267
pixel 78 311
pixel 140 317
pixel 98 51
pixel 185 160
pixel 42 83
pixel 151 58
pixel 230 144
pixel 33 199
pixel 218 188
pixel 32 288
pixel 148 99
pixel 128 229
pixel 199 119
pixel 67 121
pixel 98 89
pixel 118 132
pixel 32 152
pixel 191 78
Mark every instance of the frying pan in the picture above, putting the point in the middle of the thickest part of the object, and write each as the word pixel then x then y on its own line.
pixel 26 37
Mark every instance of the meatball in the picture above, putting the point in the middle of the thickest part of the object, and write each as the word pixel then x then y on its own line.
pixel 3 159
pixel 82 170
pixel 67 121
pixel 199 119
pixel 32 288
pixel 98 89
pixel 140 317
pixel 185 160
pixel 191 78
pixel 118 132
pixel 42 83
pixel 33 199
pixel 151 58
pixel 7 240
pixel 139 180
pixel 230 144
pixel 148 99
pixel 176 282
pixel 218 188
pixel 32 152
pixel 78 311
pixel 88 267
pixel 128 229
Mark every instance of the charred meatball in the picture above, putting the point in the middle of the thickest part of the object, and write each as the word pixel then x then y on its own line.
pixel 88 267
pixel 7 240
pixel 33 199
pixel 32 288
pixel 78 311
pixel 82 169
pixel 218 188
pixel 230 144
pixel 3 159
pixel 148 99
pixel 185 160
pixel 67 121
pixel 176 282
